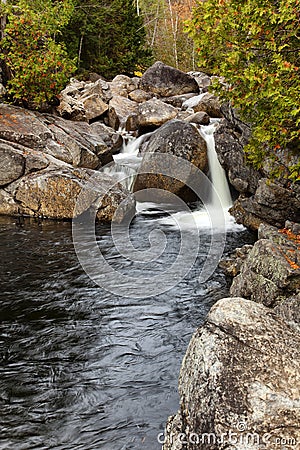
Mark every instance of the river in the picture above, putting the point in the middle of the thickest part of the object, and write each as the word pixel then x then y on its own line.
pixel 81 368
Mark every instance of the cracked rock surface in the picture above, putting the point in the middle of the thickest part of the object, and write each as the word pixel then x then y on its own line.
pixel 239 382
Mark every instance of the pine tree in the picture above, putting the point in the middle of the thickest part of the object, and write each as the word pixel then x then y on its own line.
pixel 108 37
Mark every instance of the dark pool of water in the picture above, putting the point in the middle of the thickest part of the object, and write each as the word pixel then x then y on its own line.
pixel 81 368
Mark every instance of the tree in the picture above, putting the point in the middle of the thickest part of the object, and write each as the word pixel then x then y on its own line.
pixel 255 45
pixel 165 25
pixel 39 67
pixel 107 36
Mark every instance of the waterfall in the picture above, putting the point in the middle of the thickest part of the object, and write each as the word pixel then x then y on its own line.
pixel 126 165
pixel 221 191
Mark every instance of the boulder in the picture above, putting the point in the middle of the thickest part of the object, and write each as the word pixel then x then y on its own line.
pixel 75 143
pixel 12 164
pixel 139 96
pixel 122 85
pixel 53 194
pixel 202 79
pixel 23 127
pixel 199 118
pixel 154 113
pixel 210 104
pixel 89 146
pixel 271 271
pixel 181 140
pixel 94 107
pixel 166 81
pixel 84 101
pixel 178 100
pixel 232 264
pixel 121 109
pixel 239 382
pixel 271 203
pixel 230 140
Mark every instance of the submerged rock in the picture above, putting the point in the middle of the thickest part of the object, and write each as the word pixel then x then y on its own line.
pixel 239 383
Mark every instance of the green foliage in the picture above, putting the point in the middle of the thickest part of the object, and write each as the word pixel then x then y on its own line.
pixel 108 37
pixel 39 66
pixel 255 45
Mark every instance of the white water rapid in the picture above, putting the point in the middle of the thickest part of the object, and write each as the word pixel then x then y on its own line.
pixel 126 166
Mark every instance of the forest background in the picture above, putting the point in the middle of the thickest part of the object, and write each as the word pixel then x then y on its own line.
pixel 253 44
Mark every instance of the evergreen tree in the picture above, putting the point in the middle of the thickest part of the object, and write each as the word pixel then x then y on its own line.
pixel 108 37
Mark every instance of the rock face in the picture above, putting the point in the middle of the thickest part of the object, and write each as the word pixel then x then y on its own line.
pixel 239 383
pixel 271 203
pixel 176 138
pixel 45 162
pixel 76 143
pixel 271 271
pixel 263 199
pixel 167 81
pixel 53 194
pixel 12 165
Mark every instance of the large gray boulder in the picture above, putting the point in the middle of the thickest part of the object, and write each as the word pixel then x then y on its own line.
pixel 271 271
pixel 154 113
pixel 166 81
pixel 208 103
pixel 181 140
pixel 77 143
pixel 53 194
pixel 122 85
pixel 239 383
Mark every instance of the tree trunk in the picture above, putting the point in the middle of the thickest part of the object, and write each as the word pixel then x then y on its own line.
pixel 3 68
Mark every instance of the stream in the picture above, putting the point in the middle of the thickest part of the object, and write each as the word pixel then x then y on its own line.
pixel 82 368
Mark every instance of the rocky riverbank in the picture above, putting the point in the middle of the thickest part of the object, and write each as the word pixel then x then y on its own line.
pixel 239 382
pixel 240 376
pixel 46 159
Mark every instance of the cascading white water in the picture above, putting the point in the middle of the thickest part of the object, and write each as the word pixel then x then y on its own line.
pixel 126 165
pixel 220 197
pixel 221 191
